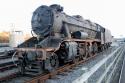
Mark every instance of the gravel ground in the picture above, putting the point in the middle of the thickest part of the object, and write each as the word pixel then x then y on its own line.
pixel 18 80
pixel 8 72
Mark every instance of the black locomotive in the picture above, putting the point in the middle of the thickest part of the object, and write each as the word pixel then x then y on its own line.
pixel 60 39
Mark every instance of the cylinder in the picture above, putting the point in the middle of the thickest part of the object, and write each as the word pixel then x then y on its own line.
pixel 80 35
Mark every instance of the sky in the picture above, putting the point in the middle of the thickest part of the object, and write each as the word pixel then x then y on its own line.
pixel 16 14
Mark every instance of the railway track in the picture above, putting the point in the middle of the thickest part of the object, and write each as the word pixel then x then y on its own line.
pixel 60 70
pixel 41 78
pixel 122 72
pixel 7 68
pixel 15 77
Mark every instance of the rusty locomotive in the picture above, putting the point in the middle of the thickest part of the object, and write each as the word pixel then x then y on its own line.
pixel 59 39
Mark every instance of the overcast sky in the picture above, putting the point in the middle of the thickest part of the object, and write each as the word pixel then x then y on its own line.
pixel 108 13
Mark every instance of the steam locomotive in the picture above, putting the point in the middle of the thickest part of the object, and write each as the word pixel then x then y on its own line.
pixel 59 39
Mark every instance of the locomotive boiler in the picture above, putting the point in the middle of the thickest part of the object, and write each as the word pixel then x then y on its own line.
pixel 59 39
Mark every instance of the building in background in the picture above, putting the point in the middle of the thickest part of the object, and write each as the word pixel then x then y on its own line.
pixel 14 37
pixel 4 37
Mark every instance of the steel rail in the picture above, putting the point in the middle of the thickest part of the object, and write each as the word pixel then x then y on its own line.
pixel 43 78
